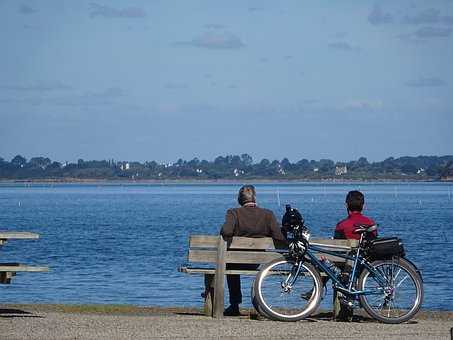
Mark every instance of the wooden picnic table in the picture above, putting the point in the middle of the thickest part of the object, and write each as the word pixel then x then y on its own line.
pixel 16 235
pixel 8 270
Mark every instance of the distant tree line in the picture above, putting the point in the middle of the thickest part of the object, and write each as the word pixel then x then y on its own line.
pixel 230 167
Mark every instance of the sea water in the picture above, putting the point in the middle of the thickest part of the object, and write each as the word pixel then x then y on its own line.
pixel 123 244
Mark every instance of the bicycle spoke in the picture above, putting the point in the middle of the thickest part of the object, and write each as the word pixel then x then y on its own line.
pixel 396 276
pixel 399 284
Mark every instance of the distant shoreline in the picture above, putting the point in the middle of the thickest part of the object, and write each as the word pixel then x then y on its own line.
pixel 214 181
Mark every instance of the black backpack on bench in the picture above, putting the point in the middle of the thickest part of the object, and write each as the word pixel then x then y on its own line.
pixel 385 248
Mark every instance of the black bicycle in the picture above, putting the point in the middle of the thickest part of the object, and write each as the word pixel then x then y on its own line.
pixel 388 286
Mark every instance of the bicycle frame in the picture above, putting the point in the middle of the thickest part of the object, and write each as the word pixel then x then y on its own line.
pixel 358 261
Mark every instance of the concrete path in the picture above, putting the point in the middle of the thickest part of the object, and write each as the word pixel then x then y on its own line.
pixel 50 323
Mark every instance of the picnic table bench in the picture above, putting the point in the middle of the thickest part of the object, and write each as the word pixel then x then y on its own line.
pixel 211 250
pixel 8 270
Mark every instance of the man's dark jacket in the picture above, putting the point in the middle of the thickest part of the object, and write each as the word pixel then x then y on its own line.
pixel 251 221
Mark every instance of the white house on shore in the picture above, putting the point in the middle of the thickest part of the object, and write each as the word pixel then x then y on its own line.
pixel 341 170
pixel 125 166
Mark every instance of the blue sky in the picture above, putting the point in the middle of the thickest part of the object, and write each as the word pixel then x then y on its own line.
pixel 160 80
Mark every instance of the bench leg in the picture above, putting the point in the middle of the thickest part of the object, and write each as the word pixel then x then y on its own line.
pixel 5 277
pixel 341 312
pixel 209 294
pixel 219 281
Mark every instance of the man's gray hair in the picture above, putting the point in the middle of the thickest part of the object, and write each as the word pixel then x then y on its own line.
pixel 247 194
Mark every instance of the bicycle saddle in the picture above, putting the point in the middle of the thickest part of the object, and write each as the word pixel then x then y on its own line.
pixel 364 228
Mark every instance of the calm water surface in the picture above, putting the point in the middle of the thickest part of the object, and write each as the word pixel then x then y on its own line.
pixel 124 243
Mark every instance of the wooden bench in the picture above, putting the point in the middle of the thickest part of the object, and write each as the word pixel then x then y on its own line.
pixel 8 270
pixel 241 250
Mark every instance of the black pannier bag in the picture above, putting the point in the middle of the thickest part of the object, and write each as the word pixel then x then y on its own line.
pixel 385 248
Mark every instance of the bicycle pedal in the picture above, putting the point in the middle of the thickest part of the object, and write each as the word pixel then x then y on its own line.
pixel 347 303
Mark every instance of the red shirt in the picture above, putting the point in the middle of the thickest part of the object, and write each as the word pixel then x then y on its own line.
pixel 347 226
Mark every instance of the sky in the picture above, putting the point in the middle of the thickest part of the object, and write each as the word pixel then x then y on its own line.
pixel 163 79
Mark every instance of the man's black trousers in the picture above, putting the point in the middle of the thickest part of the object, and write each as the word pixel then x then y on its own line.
pixel 234 281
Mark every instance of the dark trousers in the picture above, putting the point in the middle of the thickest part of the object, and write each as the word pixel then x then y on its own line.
pixel 234 281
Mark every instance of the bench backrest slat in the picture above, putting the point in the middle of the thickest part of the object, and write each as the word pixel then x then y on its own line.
pixel 335 242
pixel 203 241
pixel 262 243
pixel 202 255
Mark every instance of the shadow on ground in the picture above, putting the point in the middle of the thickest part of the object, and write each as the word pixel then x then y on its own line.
pixel 16 313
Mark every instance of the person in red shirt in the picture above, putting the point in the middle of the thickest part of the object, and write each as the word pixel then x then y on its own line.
pixel 354 205
pixel 345 230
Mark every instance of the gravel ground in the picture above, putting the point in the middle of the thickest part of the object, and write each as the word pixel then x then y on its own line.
pixel 41 322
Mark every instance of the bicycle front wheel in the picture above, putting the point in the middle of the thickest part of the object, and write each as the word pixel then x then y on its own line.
pixel 286 291
pixel 394 294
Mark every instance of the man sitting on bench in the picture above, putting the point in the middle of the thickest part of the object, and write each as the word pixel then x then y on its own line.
pixel 247 221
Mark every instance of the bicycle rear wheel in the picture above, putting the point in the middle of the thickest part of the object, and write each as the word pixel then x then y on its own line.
pixel 396 301
pixel 283 294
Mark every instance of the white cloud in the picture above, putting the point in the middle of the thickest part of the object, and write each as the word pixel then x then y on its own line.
pixel 214 40
pixel 38 87
pixel 26 9
pixel 428 16
pixel 107 97
pixel 426 82
pixel 433 32
pixel 378 17
pixel 343 46
pixel 363 105
pixel 98 10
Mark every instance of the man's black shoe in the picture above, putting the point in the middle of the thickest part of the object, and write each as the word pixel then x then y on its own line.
pixel 233 310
